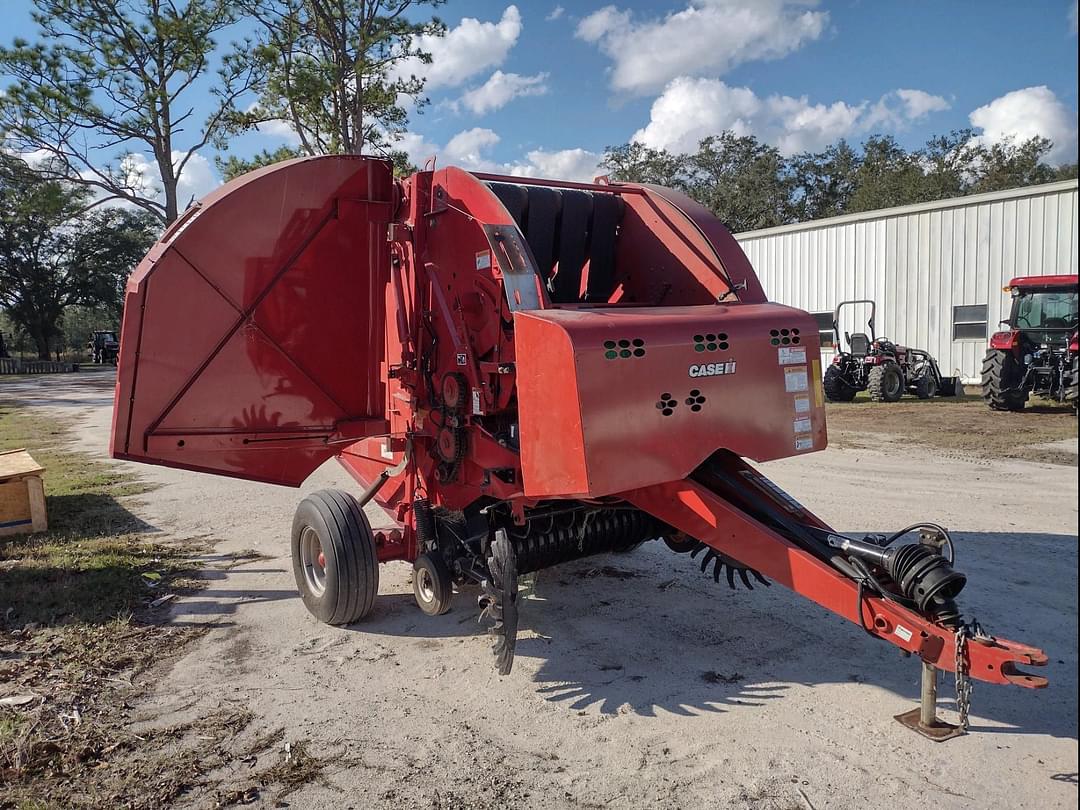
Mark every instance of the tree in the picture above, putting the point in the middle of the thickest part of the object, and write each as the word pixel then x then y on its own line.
pixel 115 79
pixel 741 180
pixel 332 72
pixel 234 167
pixel 1007 164
pixel 55 254
pixel 637 163
pixel 823 183
pixel 888 175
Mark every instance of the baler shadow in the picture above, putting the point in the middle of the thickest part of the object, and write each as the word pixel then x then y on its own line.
pixel 396 614
pixel 652 642
pixel 647 632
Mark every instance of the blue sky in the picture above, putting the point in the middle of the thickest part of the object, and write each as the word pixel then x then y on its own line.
pixel 542 88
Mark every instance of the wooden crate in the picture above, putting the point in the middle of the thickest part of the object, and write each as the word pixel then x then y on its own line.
pixel 22 494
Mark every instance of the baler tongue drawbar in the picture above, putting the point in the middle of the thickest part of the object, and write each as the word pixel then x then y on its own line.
pixel 901 593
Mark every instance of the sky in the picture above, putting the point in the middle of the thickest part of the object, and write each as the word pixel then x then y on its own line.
pixel 541 88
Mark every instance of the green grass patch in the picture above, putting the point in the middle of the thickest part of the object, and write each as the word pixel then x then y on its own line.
pixel 91 566
pixel 85 633
pixel 77 613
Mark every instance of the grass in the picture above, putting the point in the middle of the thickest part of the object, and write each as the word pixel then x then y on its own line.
pixel 82 638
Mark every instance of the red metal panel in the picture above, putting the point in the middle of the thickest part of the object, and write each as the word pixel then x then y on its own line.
pixel 582 411
pixel 1045 281
pixel 253 332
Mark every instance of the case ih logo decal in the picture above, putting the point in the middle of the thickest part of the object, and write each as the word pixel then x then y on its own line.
pixel 713 369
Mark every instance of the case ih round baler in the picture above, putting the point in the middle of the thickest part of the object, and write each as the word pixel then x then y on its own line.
pixel 521 372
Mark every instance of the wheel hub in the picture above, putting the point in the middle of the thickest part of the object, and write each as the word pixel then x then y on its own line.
pixel 425 585
pixel 313 561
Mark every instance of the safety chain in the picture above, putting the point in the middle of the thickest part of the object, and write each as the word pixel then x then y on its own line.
pixel 963 681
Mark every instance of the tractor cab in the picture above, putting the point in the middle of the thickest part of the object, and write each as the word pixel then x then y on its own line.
pixel 1037 354
pixel 1044 313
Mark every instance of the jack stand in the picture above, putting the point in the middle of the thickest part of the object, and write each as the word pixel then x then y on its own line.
pixel 924 719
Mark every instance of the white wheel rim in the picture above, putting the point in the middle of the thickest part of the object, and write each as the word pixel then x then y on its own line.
pixel 313 561
pixel 425 585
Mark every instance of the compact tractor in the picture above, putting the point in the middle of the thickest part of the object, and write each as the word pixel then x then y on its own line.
pixel 880 366
pixel 104 347
pixel 519 372
pixel 1038 353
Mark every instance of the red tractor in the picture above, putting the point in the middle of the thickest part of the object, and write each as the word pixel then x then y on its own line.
pixel 521 373
pixel 881 367
pixel 1038 353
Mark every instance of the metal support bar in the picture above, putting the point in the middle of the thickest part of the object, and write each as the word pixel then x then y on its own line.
pixel 924 719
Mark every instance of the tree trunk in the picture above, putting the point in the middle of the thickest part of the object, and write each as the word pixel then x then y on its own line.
pixel 41 343
pixel 172 210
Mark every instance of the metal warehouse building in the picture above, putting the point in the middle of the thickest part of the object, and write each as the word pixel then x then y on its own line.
pixel 935 270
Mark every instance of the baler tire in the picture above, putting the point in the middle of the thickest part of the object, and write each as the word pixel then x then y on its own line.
pixel 433 587
pixel 885 383
pixel 345 590
pixel 837 389
pixel 1000 372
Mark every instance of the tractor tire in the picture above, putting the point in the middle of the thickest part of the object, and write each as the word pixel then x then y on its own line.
pixel 837 389
pixel 433 588
pixel 334 558
pixel 1073 388
pixel 1000 372
pixel 926 386
pixel 886 383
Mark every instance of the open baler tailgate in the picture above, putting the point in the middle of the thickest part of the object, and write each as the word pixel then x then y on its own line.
pixel 557 370
pixel 253 333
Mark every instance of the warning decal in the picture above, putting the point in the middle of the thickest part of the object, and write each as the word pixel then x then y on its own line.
pixel 796 379
pixel 483 260
pixel 790 355
pixel 804 443
pixel 802 425
pixel 802 404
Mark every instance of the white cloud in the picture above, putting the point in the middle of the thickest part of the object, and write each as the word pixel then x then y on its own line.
pixel 919 103
pixel 899 108
pixel 197 179
pixel 416 147
pixel 470 150
pixel 466 149
pixel 555 14
pixel 1024 114
pixel 500 89
pixel 279 128
pixel 469 48
pixel 577 165
pixel 707 37
pixel 691 109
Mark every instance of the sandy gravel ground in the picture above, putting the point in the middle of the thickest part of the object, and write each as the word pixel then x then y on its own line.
pixel 654 687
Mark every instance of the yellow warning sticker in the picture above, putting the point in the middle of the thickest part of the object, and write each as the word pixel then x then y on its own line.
pixel 819 394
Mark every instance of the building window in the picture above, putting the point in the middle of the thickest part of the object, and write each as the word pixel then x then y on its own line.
pixel 825 330
pixel 969 322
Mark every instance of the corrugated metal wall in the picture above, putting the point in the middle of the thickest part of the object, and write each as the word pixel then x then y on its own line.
pixel 920 261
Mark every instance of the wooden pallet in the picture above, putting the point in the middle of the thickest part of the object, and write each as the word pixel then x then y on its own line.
pixel 22 494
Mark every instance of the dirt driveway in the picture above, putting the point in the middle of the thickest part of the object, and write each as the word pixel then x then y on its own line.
pixel 638 681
